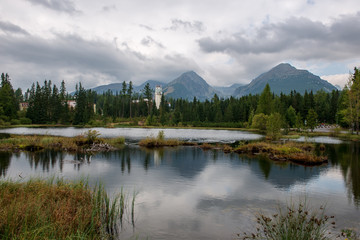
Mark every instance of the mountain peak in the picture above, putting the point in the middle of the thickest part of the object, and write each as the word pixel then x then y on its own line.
pixel 189 85
pixel 284 78
pixel 283 67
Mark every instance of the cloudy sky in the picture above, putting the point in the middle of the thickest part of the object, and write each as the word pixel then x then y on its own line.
pixel 225 42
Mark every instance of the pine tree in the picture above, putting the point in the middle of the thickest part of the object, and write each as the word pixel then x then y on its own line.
pixel 123 96
pixel 148 95
pixel 8 101
pixel 311 119
pixel 265 101
pixel 129 94
pixel 353 110
pixel 290 116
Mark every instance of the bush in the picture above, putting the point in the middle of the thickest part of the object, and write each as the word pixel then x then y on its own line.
pixel 25 120
pixel 259 121
pixel 294 223
pixel 273 126
pixel 92 136
pixel 15 122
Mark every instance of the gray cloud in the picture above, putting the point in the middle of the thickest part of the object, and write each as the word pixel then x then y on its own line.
pixel 70 57
pixel 109 8
pixel 296 38
pixel 57 5
pixel 146 27
pixel 195 26
pixel 149 41
pixel 9 27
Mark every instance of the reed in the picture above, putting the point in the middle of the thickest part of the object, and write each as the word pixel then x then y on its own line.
pixel 295 222
pixel 57 209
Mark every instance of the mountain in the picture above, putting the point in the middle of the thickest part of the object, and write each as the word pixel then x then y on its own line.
pixel 227 91
pixel 116 87
pixel 153 84
pixel 284 78
pixel 188 86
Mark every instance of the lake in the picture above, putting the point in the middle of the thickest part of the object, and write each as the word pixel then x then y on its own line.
pixel 189 193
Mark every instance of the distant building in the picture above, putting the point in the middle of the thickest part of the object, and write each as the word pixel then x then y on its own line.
pixel 23 106
pixel 71 104
pixel 158 94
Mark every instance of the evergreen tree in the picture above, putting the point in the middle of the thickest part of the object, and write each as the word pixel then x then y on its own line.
pixel 265 101
pixel 8 101
pixel 290 116
pixel 148 95
pixel 129 94
pixel 123 96
pixel 353 110
pixel 298 122
pixel 311 119
pixel 80 109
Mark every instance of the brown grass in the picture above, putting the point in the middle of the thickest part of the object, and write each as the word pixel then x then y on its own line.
pixel 301 153
pixel 38 142
pixel 40 209
pixel 156 142
pixel 37 207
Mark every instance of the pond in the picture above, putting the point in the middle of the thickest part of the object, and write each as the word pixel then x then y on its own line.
pixel 189 193
pixel 136 134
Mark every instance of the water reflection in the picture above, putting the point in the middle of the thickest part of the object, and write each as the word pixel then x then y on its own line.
pixel 188 193
pixel 5 158
pixel 347 157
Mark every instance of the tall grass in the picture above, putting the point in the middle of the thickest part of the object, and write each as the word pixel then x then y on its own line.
pixel 159 141
pixel 57 209
pixel 296 222
pixel 36 142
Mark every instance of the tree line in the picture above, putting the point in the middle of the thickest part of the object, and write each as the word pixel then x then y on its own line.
pixel 48 104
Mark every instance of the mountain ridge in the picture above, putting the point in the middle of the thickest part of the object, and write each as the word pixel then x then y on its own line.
pixel 284 78
pixel 281 78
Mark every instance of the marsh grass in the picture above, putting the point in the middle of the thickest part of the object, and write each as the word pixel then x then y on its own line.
pixel 294 222
pixel 57 209
pixel 160 141
pixel 302 153
pixel 38 142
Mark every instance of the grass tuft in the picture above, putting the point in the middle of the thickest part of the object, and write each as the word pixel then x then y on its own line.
pixel 301 153
pixel 57 209
pixel 296 222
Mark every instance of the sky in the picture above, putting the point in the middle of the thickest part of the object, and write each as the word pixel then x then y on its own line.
pixel 225 42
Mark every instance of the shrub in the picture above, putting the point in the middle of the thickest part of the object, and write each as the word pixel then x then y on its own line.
pixel 161 135
pixel 295 223
pixel 15 122
pixel 25 120
pixel 259 121
pixel 273 126
pixel 92 136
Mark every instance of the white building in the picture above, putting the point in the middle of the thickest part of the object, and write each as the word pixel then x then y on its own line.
pixel 158 94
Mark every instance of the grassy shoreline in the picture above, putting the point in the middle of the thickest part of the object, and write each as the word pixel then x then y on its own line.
pixel 58 209
pixel 90 142
pixel 299 153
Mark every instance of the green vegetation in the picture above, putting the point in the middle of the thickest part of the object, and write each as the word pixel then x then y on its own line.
pixel 57 209
pixel 273 126
pixel 49 105
pixel 160 141
pixel 295 222
pixel 300 153
pixel 89 141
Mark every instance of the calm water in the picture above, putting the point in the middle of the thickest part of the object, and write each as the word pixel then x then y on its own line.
pixel 136 134
pixel 188 193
